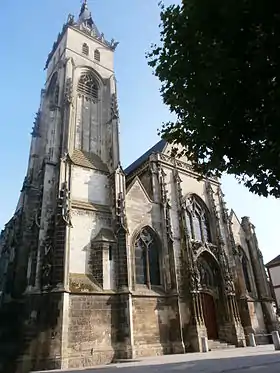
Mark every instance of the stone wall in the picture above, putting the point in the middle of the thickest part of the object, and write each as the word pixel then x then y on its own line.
pixel 93 332
pixel 156 328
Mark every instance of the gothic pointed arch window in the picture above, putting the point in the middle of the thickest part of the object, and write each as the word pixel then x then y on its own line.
pixel 85 49
pixel 87 86
pixel 147 258
pixel 87 135
pixel 197 219
pixel 208 270
pixel 53 91
pixel 97 55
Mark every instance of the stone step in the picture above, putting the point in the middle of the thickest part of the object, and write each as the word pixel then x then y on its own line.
pixel 219 345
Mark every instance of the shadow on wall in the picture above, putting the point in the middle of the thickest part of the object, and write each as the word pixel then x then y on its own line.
pixel 26 327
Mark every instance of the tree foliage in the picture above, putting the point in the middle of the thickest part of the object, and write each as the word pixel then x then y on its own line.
pixel 219 67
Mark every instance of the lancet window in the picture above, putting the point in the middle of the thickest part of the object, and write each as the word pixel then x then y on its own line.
pixel 147 258
pixel 246 272
pixel 197 220
pixel 88 129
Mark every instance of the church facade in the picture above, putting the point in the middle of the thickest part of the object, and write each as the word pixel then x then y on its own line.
pixel 100 263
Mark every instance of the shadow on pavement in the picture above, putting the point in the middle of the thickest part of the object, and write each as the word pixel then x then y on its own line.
pixel 259 363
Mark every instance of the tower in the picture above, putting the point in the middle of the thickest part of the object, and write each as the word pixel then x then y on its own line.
pixel 71 260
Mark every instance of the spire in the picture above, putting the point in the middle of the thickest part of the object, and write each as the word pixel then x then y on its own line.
pixel 85 18
pixel 84 8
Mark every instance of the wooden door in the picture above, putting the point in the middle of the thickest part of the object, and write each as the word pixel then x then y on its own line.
pixel 209 313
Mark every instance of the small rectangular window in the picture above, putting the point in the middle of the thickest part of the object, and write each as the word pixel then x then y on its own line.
pixel 110 253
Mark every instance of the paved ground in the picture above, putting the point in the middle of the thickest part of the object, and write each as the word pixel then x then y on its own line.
pixel 241 360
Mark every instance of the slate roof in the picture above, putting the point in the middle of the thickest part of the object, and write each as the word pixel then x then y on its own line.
pixel 88 160
pixel 157 148
pixel 105 235
pixel 273 261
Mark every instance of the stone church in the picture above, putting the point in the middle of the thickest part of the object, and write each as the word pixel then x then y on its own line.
pixel 99 263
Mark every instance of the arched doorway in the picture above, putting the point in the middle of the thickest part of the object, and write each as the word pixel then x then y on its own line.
pixel 209 280
pixel 209 314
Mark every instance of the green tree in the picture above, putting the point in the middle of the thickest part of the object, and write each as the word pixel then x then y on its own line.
pixel 219 67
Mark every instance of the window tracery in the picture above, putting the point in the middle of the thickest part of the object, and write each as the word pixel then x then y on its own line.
pixel 87 85
pixel 147 267
pixel 87 136
pixel 197 221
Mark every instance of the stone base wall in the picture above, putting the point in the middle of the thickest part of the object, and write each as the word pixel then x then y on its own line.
pixel 93 331
pixel 156 326
pixel 150 326
pixel 34 331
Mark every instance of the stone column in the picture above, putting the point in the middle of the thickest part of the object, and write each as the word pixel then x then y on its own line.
pixel 122 279
pixel 234 330
pixel 167 236
pixel 194 329
pixel 260 275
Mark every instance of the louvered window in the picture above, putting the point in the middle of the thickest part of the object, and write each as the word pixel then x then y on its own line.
pixel 85 49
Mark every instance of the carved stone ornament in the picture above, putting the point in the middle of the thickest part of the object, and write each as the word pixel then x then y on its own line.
pixel 229 285
pixel 114 107
pixel 223 206
pixel 120 211
pixel 194 277
pixel 70 19
pixel 64 157
pixel 37 218
pixel 36 128
pixel 114 44
pixel 68 95
pixel 46 269
pixel 47 255
pixel 65 204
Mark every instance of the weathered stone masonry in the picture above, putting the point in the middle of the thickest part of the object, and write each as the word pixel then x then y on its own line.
pixel 99 263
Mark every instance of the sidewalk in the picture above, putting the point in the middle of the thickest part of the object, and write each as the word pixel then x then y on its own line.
pixel 238 359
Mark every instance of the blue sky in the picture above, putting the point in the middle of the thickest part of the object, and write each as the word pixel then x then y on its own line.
pixel 28 30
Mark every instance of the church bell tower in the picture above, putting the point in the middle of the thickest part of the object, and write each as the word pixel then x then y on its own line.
pixel 73 199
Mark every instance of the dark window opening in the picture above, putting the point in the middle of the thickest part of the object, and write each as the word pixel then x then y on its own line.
pixel 97 55
pixel 147 259
pixel 246 273
pixel 85 49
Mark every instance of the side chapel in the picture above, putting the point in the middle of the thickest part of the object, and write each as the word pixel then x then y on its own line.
pixel 100 263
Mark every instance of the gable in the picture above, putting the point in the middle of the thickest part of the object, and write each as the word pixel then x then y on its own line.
pixel 274 262
pixel 138 206
pixel 137 193
pixel 167 150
